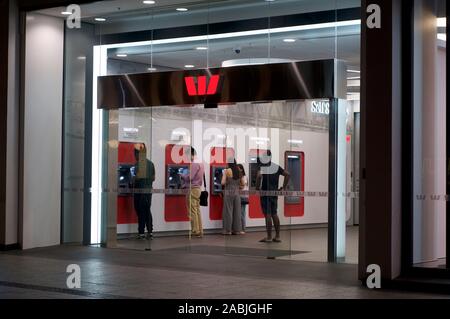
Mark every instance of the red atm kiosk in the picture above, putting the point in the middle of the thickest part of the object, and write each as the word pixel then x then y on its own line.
pixel 255 210
pixel 177 159
pixel 219 157
pixel 295 165
pixel 125 203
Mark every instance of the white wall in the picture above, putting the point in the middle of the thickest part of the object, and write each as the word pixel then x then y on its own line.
pixel 42 131
pixel 430 144
pixel 12 141
pixel 157 133
pixel 441 128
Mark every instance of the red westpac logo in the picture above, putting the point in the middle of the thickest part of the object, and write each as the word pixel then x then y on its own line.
pixel 197 86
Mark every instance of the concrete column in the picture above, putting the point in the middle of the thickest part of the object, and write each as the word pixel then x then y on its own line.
pixel 3 114
pixel 381 145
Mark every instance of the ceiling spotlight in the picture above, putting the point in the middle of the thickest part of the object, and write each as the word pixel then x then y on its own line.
pixel 289 40
pixel 100 19
pixel 122 55
pixel 66 13
pixel 201 48
pixel 148 2
pixel 182 9
pixel 189 66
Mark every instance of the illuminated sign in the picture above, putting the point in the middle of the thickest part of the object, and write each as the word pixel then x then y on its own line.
pixel 201 88
pixel 320 107
pixel 130 132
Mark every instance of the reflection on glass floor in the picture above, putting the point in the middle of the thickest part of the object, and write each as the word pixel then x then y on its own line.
pixel 301 245
pixel 440 263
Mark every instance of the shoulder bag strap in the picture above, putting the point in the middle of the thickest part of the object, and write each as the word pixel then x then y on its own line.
pixel 204 180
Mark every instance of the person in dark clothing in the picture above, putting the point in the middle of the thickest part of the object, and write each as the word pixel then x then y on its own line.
pixel 268 179
pixel 143 184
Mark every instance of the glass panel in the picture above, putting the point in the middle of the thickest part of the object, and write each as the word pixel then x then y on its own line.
pixel 348 43
pixel 430 168
pixel 308 152
pixel 158 38
pixel 76 139
pixel 254 130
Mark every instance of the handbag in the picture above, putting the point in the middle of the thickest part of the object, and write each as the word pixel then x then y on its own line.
pixel 204 195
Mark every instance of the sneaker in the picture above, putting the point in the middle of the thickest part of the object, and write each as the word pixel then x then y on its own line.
pixel 140 237
pixel 150 236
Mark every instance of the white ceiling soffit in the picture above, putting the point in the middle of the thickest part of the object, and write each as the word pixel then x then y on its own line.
pixel 133 15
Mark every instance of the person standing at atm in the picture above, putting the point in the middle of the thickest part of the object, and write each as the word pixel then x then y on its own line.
pixel 143 183
pixel 194 181
pixel 268 180
pixel 244 198
pixel 231 182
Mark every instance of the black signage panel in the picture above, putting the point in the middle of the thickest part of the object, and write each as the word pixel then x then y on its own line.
pixel 253 83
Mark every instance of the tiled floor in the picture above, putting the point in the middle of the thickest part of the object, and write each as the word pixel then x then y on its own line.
pixel 305 244
pixel 117 273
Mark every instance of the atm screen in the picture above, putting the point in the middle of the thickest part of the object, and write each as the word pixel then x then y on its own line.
pixel 254 168
pixel 217 180
pixel 174 172
pixel 294 167
pixel 125 176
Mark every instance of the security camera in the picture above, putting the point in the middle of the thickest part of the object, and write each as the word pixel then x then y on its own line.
pixel 237 50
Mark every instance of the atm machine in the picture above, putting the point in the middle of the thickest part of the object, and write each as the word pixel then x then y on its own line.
pixel 175 208
pixel 174 180
pixel 126 214
pixel 219 157
pixel 294 206
pixel 254 206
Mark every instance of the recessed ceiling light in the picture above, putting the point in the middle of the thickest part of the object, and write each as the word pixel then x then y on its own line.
pixel 122 55
pixel 189 66
pixel 442 22
pixel 354 71
pixel 152 69
pixel 201 48
pixel 66 13
pixel 148 2
pixel 295 141
pixel 182 9
pixel 269 0
pixel 100 19
pixel 442 36
pixel 82 58
pixel 289 40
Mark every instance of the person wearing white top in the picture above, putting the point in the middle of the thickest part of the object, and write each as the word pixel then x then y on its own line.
pixel 244 198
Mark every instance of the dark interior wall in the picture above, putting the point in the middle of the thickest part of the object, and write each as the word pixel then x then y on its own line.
pixel 4 34
pixel 380 204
